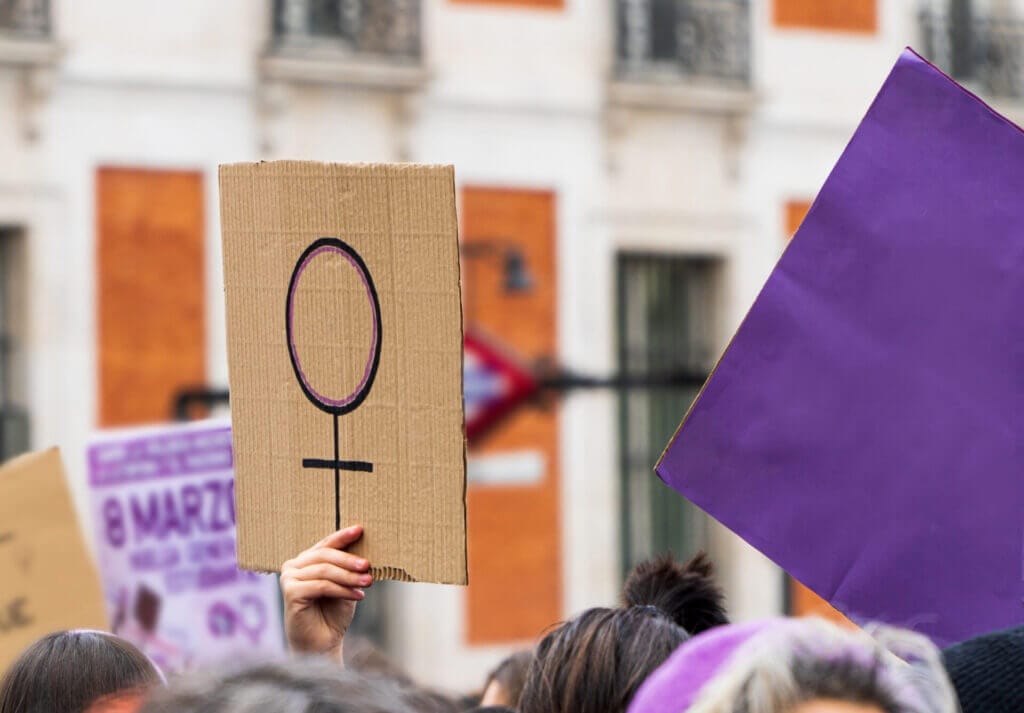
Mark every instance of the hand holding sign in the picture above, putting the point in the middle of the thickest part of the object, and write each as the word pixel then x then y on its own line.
pixel 321 587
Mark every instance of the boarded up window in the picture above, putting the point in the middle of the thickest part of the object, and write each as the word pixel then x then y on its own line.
pixel 802 601
pixel 859 16
pixel 515 574
pixel 150 291
pixel 794 214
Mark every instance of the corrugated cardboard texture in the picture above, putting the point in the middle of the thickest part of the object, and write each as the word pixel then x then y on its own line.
pixel 400 221
pixel 47 580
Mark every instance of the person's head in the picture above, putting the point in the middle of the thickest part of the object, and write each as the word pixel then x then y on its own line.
pixel 505 683
pixel 812 666
pixel 596 662
pixel 987 672
pixel 424 700
pixel 363 656
pixel 298 686
pixel 75 671
pixel 468 702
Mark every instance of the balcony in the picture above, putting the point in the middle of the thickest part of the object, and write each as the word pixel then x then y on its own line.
pixel 690 54
pixel 984 52
pixel 367 43
pixel 26 38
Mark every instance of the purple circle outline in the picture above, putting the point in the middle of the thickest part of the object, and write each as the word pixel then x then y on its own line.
pixel 326 400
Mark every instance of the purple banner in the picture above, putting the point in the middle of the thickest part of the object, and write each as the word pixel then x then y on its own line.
pixel 863 427
pixel 163 507
pixel 188 453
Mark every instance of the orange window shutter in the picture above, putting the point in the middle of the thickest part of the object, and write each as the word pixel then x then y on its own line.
pixel 515 569
pixel 804 602
pixel 794 214
pixel 855 16
pixel 151 297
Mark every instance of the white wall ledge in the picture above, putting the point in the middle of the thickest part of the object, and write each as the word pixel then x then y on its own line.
pixel 28 52
pixel 682 95
pixel 344 70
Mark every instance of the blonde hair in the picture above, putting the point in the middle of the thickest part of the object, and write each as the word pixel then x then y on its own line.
pixel 895 670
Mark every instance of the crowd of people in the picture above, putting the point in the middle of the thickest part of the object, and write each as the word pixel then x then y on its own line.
pixel 668 648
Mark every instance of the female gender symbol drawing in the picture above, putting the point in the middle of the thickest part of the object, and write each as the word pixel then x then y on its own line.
pixel 335 406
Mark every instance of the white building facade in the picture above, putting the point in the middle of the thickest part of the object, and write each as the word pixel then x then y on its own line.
pixel 675 137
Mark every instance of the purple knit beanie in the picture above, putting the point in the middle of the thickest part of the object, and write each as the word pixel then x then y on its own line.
pixel 676 684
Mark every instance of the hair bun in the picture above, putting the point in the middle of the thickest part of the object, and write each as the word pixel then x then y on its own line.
pixel 687 593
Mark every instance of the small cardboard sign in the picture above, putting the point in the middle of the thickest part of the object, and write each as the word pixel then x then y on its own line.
pixel 47 579
pixel 345 361
pixel 863 427
pixel 165 540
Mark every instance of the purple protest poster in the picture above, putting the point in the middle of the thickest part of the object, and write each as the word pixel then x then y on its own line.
pixel 863 427
pixel 164 514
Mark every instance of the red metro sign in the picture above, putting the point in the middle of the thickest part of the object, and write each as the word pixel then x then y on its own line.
pixel 494 384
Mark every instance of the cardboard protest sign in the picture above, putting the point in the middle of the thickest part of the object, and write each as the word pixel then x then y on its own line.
pixel 345 362
pixel 862 428
pixel 47 579
pixel 163 504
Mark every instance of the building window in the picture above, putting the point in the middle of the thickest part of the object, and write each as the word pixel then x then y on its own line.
pixel 981 49
pixel 801 601
pixel 857 16
pixel 794 212
pixel 25 18
pixel 151 297
pixel 383 28
pixel 14 420
pixel 673 39
pixel 665 318
pixel 515 554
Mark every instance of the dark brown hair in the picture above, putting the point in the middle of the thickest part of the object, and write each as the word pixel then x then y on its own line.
pixel 65 672
pixel 688 593
pixel 596 662
pixel 511 676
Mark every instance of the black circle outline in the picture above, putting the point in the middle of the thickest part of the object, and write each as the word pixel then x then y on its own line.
pixel 364 392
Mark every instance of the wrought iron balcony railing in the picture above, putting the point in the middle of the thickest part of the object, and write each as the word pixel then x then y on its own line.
pixel 383 29
pixel 29 19
pixel 987 52
pixel 666 40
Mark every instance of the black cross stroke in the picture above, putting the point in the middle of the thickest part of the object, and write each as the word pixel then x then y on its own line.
pixel 337 465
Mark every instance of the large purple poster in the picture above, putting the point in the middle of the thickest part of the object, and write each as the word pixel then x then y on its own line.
pixel 863 429
pixel 164 513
